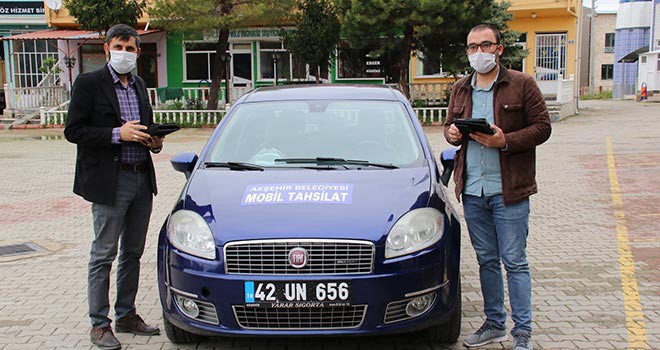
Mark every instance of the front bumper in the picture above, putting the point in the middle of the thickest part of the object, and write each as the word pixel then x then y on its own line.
pixel 393 283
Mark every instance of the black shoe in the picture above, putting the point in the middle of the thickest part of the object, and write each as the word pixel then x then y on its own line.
pixel 104 338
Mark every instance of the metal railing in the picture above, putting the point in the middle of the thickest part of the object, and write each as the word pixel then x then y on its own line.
pixel 431 93
pixel 35 97
pixel 426 115
pixel 190 117
pixel 181 117
pixel 199 93
pixel 431 115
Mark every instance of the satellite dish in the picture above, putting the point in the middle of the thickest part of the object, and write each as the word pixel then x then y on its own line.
pixel 54 5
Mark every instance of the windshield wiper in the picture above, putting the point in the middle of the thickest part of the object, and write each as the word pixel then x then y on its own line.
pixel 233 166
pixel 335 161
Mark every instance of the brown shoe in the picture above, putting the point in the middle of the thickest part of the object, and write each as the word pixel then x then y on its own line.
pixel 104 338
pixel 134 324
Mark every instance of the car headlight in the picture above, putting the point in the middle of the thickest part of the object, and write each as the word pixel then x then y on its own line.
pixel 188 232
pixel 416 230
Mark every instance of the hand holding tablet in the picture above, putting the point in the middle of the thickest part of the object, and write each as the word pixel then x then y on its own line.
pixel 162 129
pixel 468 126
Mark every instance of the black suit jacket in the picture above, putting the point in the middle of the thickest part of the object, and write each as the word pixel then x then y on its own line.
pixel 93 113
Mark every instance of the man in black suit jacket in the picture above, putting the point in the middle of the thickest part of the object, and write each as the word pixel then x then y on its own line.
pixel 108 114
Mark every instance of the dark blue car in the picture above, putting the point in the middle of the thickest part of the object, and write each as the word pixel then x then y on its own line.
pixel 312 211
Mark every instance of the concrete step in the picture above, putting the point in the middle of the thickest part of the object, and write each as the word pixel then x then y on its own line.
pixel 22 120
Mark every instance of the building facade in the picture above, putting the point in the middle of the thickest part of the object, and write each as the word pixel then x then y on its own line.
pixel 550 31
pixel 18 17
pixel 22 62
pixel 603 40
pixel 633 28
pixel 257 56
pixel 649 62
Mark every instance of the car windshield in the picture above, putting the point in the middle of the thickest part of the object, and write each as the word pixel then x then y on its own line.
pixel 345 133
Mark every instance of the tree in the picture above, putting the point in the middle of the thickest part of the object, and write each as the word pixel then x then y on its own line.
pixel 217 18
pixel 450 48
pixel 316 35
pixel 99 15
pixel 436 28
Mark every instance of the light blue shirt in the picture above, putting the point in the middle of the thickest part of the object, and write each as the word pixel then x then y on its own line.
pixel 482 163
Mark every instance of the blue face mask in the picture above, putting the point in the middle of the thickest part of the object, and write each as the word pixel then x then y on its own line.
pixel 482 62
pixel 123 62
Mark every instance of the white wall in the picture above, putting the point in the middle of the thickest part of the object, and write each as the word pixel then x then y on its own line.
pixel 159 38
pixel 648 71
pixel 634 15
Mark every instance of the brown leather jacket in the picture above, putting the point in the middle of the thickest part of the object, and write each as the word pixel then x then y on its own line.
pixel 520 111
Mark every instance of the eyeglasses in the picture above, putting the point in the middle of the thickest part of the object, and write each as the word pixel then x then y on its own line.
pixel 485 46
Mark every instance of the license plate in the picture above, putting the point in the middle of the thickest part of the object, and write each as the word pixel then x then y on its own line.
pixel 297 294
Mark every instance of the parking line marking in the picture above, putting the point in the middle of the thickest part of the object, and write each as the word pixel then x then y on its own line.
pixel 646 240
pixel 635 324
pixel 637 164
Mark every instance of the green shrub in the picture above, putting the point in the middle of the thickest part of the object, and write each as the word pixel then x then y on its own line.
pixel 603 95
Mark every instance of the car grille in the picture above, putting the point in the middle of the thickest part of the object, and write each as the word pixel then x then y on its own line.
pixel 207 313
pixel 396 311
pixel 324 257
pixel 340 317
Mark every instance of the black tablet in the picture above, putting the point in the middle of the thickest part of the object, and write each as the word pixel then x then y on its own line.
pixel 467 126
pixel 162 129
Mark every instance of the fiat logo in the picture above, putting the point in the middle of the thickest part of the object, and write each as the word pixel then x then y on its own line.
pixel 298 257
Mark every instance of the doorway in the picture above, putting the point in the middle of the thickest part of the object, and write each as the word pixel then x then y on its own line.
pixel 147 65
pixel 550 61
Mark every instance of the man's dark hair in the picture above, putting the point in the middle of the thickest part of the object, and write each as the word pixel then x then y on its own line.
pixel 123 32
pixel 487 26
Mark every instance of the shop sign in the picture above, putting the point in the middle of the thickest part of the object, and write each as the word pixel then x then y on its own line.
pixel 372 67
pixel 22 8
pixel 248 33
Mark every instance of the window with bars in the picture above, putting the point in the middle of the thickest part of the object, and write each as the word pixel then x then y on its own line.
pixel 609 42
pixel 550 56
pixel 28 57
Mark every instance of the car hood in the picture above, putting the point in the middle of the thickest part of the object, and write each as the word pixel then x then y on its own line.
pixel 301 203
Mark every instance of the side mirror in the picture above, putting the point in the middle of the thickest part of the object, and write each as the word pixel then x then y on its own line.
pixel 447 161
pixel 184 162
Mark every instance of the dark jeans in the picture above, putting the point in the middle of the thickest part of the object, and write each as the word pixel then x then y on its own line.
pixel 499 235
pixel 126 221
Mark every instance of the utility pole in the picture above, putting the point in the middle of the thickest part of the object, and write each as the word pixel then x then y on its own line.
pixel 592 43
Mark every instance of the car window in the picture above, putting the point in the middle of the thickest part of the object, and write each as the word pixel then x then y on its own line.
pixel 374 131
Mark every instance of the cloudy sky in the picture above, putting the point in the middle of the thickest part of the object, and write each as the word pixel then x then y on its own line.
pixel 603 5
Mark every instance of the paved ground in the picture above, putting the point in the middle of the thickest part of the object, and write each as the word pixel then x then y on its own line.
pixel 594 241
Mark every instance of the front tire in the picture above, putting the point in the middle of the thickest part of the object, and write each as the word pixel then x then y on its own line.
pixel 450 331
pixel 177 335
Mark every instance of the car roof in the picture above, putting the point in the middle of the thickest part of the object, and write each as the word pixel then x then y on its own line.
pixel 323 92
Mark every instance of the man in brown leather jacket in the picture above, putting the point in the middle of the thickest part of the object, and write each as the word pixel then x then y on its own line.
pixel 495 175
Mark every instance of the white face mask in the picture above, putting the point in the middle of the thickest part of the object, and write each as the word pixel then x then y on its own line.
pixel 482 62
pixel 123 62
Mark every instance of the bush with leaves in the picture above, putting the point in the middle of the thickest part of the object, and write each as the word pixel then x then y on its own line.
pixel 100 15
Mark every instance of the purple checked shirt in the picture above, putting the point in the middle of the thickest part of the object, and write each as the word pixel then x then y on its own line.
pixel 129 106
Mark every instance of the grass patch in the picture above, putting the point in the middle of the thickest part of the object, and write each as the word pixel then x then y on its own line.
pixel 603 95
